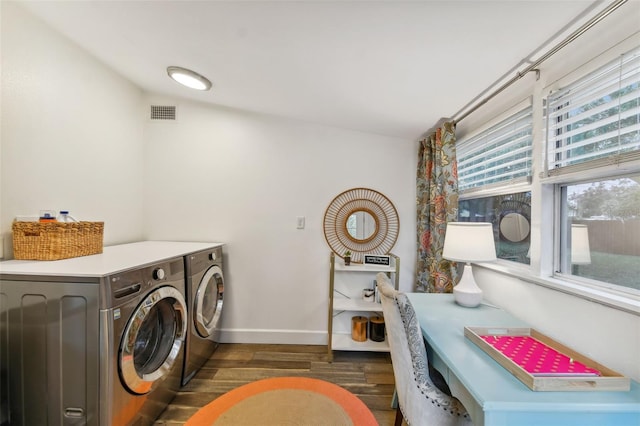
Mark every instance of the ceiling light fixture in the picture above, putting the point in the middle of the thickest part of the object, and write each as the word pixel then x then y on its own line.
pixel 189 78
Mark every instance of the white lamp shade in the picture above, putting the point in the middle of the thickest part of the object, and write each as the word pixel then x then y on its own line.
pixel 580 251
pixel 469 242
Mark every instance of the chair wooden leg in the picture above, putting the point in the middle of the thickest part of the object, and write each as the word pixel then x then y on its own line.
pixel 399 417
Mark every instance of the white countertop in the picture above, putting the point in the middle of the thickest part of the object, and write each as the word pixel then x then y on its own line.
pixel 113 259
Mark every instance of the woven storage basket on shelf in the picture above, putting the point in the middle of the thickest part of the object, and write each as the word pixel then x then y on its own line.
pixel 56 240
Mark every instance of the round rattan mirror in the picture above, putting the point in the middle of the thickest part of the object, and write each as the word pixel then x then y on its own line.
pixel 361 220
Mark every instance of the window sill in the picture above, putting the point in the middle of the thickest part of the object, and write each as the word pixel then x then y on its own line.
pixel 608 297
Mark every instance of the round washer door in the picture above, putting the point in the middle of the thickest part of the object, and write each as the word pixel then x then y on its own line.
pixel 152 339
pixel 208 302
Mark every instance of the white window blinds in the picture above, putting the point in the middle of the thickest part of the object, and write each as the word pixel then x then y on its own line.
pixel 595 121
pixel 499 155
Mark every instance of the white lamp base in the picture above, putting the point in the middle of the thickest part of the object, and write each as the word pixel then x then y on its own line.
pixel 467 293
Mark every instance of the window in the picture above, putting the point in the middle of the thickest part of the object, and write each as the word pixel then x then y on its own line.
pixel 499 155
pixel 594 122
pixel 593 134
pixel 511 218
pixel 601 231
pixel 489 165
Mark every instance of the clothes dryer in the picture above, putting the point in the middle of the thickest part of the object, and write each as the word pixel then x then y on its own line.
pixel 205 296
pixel 146 327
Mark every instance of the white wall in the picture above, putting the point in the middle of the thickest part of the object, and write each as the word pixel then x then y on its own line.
pixel 607 335
pixel 241 178
pixel 75 136
pixel 71 132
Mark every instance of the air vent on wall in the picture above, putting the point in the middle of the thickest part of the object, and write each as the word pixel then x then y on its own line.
pixel 163 112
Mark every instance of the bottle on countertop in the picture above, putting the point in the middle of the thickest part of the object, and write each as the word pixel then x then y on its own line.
pixel 47 216
pixel 65 217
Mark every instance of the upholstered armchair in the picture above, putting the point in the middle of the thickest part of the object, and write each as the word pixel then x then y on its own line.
pixel 420 402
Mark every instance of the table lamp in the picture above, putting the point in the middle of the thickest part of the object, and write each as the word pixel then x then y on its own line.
pixel 469 242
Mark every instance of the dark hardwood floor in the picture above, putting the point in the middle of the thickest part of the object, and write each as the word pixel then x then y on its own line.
pixel 368 375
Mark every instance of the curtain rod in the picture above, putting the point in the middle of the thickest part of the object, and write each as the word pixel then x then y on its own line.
pixel 577 33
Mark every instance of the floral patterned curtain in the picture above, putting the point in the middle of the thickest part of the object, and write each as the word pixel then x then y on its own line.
pixel 437 203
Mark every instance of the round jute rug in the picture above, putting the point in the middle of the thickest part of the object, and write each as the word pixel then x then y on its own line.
pixel 284 401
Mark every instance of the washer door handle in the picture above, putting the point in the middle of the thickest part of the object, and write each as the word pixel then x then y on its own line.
pixel 126 291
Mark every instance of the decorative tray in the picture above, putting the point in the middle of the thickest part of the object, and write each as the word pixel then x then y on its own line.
pixel 543 364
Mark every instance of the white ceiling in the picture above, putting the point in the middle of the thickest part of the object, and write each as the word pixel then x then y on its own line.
pixel 385 67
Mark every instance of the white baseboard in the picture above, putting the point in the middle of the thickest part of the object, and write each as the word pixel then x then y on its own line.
pixel 285 337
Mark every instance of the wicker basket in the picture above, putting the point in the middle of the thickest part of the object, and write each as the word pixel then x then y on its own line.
pixel 56 240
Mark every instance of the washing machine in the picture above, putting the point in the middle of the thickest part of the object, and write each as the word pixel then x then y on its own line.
pixel 205 296
pixel 145 329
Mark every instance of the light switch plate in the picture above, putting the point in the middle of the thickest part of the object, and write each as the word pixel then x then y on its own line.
pixel 300 222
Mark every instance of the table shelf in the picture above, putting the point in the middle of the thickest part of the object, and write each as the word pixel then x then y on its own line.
pixel 344 304
pixel 344 342
pixel 346 284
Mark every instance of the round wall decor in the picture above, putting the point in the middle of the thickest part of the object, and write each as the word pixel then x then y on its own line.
pixel 361 220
